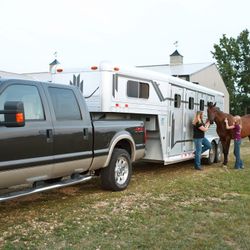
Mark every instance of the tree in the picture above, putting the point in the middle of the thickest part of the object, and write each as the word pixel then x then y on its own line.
pixel 233 61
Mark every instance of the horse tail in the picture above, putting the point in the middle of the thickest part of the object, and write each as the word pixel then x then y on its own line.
pixel 249 137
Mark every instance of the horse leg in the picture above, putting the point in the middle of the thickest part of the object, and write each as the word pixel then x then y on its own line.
pixel 225 145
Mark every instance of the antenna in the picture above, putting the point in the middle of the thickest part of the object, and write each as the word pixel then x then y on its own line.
pixel 176 44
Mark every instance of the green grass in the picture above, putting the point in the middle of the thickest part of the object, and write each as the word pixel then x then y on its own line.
pixel 165 207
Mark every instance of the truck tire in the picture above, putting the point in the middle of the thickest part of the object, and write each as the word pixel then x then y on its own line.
pixel 212 152
pixel 116 176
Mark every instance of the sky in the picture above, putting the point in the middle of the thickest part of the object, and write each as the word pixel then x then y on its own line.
pixel 126 32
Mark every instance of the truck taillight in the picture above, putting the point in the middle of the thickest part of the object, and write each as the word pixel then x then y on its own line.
pixel 94 67
pixel 139 129
pixel 142 130
pixel 59 70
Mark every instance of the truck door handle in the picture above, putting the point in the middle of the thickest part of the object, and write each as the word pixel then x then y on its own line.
pixel 85 134
pixel 48 133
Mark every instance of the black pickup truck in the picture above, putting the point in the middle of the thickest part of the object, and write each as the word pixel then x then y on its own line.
pixel 48 140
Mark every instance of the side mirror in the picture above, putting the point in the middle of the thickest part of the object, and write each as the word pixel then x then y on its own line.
pixel 13 114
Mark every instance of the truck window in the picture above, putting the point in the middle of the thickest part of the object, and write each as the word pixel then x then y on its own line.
pixel 30 97
pixel 65 104
pixel 137 89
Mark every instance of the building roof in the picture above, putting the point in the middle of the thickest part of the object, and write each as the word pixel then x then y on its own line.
pixel 55 62
pixel 40 76
pixel 178 70
pixel 176 53
pixel 5 74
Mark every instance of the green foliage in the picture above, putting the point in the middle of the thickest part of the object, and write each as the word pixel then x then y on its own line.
pixel 233 61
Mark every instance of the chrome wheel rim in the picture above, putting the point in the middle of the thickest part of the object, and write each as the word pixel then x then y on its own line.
pixel 219 152
pixel 121 170
pixel 212 153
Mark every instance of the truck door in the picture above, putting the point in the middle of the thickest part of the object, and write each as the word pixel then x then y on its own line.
pixel 72 131
pixel 32 144
pixel 177 131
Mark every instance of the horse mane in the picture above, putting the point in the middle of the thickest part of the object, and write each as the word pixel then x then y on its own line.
pixel 226 115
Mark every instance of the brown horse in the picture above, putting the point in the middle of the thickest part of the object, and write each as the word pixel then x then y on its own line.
pixel 215 115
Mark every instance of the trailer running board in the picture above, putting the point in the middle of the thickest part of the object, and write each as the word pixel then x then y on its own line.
pixel 64 183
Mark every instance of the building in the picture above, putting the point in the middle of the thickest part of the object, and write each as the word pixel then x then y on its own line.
pixel 5 74
pixel 44 76
pixel 39 76
pixel 205 74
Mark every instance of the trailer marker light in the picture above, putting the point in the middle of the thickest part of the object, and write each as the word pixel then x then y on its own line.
pixel 126 105
pixel 19 117
pixel 94 67
pixel 117 105
pixel 59 70
pixel 116 69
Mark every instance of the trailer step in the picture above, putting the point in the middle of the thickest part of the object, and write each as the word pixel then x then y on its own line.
pixel 64 183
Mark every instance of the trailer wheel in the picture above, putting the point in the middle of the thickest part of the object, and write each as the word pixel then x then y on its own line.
pixel 116 176
pixel 218 155
pixel 212 152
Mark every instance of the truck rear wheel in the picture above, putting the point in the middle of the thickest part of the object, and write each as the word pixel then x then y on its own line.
pixel 116 176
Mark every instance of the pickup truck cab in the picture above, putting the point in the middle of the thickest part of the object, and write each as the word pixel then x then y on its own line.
pixel 48 140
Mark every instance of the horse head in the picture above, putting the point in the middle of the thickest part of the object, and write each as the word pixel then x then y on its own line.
pixel 211 111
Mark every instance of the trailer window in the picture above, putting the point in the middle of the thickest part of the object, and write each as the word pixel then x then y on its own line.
pixel 201 105
pixel 137 89
pixel 191 103
pixel 177 101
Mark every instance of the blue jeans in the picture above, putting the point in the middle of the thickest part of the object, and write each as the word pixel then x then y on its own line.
pixel 201 145
pixel 238 162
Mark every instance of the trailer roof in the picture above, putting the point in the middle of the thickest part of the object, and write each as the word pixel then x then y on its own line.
pixel 139 72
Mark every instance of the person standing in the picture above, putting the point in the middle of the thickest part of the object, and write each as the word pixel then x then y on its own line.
pixel 200 141
pixel 237 126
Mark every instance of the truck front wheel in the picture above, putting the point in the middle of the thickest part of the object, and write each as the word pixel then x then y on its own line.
pixel 116 176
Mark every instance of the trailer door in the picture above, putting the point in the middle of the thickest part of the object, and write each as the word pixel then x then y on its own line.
pixel 189 115
pixel 177 131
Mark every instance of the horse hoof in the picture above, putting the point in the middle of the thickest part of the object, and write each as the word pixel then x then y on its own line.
pixel 225 167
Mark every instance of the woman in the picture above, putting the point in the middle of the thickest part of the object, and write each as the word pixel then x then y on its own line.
pixel 200 141
pixel 237 140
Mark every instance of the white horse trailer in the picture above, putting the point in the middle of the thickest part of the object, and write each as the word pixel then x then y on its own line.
pixel 166 104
